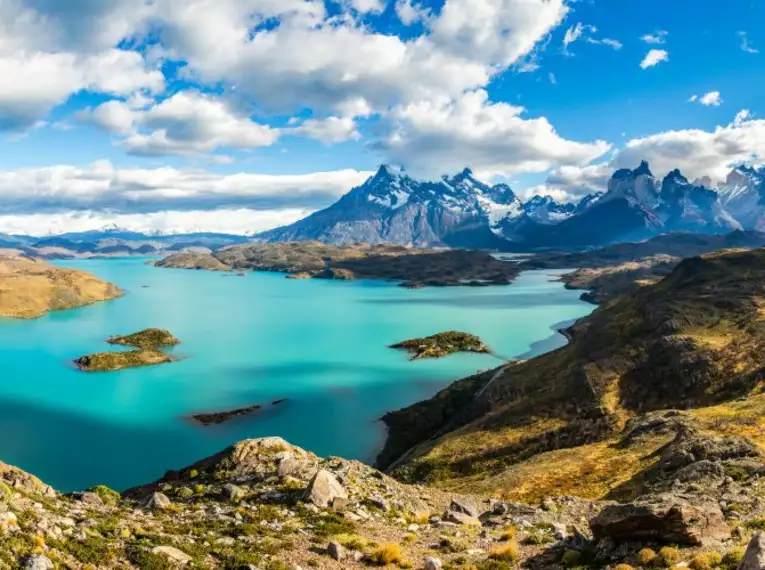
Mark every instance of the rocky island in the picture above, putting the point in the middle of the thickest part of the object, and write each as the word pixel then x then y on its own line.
pixel 442 344
pixel 29 288
pixel 313 260
pixel 215 418
pixel 149 344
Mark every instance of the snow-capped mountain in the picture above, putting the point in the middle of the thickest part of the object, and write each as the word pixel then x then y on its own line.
pixel 462 211
pixel 743 196
pixel 392 207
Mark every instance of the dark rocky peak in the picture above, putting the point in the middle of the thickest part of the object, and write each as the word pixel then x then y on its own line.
pixel 502 194
pixel 642 170
pixel 465 183
pixel 588 201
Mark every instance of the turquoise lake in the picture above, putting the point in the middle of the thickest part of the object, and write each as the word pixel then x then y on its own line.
pixel 246 340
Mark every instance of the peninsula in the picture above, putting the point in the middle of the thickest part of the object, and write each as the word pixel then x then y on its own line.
pixel 312 260
pixel 29 288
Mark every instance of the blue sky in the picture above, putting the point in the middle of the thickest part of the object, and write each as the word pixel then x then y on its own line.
pixel 243 114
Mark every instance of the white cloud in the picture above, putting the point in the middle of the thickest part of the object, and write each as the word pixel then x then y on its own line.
pixel 368 6
pixel 330 130
pixel 711 99
pixel 699 153
pixel 654 57
pixel 586 32
pixel 437 136
pixel 657 38
pixel 187 123
pixel 231 221
pixel 101 187
pixel 410 13
pixel 33 83
pixel 745 44
pixel 568 183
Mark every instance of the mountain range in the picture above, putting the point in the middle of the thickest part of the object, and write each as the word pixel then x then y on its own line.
pixel 461 211
pixel 112 241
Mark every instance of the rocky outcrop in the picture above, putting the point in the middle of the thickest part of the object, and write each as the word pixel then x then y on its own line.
pixel 667 519
pixel 754 558
pixel 30 288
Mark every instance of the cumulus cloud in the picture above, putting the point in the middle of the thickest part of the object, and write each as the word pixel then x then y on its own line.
pixel 410 13
pixel 330 130
pixel 711 99
pixel 659 37
pixel 101 187
pixel 433 137
pixel 697 152
pixel 568 183
pixel 654 57
pixel 745 44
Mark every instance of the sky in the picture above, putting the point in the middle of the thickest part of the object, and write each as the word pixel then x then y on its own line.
pixel 242 115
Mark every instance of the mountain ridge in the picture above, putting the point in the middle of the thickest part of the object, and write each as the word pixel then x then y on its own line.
pixel 462 211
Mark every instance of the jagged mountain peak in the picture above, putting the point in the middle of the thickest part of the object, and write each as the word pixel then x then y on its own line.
pixel 643 170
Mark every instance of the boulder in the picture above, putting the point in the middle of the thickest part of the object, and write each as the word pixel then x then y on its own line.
pixel 233 492
pixel 336 550
pixel 38 562
pixel 324 489
pixel 172 553
pixel 666 518
pixel 156 502
pixel 754 558
pixel 433 563
pixel 461 518
pixel 464 506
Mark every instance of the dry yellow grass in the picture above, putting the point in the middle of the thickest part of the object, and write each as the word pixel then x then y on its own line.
pixel 506 552
pixel 387 554
pixel 29 288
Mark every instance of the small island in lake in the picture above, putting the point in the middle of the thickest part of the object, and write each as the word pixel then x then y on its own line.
pixel 442 344
pixel 215 418
pixel 148 352
pixel 414 268
pixel 149 338
pixel 111 361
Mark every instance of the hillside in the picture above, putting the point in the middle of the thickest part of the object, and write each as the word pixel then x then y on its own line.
pixel 692 341
pixel 30 288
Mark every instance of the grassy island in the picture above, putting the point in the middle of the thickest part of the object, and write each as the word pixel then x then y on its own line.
pixel 442 344
pixel 111 361
pixel 148 343
pixel 149 338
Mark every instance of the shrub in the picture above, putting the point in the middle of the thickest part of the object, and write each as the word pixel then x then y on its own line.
pixel 623 567
pixel 352 541
pixel 669 556
pixel 506 552
pixel 107 495
pixel 571 558
pixel 508 533
pixel 646 557
pixel 706 561
pixel 732 558
pixel 756 524
pixel 185 493
pixel 386 554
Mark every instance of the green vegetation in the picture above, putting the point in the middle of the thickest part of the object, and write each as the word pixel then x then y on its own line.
pixel 149 338
pixel 442 344
pixel 112 361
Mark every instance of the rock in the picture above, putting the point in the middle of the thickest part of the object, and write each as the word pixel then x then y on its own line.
pixel 323 489
pixel 433 563
pixel 287 466
pixel 464 506
pixel 560 531
pixel 38 562
pixel 89 499
pixel 754 558
pixel 336 550
pixel 172 553
pixel 665 518
pixel 157 502
pixel 233 492
pixel 461 518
